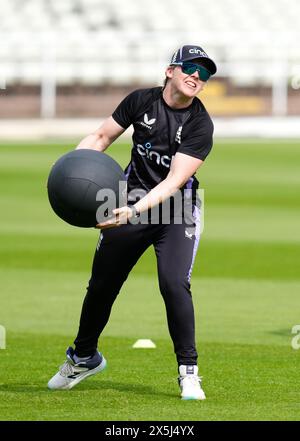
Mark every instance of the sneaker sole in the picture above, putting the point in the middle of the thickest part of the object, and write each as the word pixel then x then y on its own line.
pixel 193 398
pixel 77 380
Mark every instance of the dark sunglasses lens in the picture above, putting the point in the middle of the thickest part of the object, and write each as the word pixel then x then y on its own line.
pixel 203 73
pixel 189 69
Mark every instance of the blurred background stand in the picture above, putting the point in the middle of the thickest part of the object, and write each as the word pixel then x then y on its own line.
pixel 78 58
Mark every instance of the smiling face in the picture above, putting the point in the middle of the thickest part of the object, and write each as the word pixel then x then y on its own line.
pixel 182 87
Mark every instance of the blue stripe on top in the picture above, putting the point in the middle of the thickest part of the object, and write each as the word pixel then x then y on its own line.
pixel 196 214
pixel 189 183
pixel 128 171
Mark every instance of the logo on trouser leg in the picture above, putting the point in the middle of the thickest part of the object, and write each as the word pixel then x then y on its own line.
pixel 188 234
pixel 99 242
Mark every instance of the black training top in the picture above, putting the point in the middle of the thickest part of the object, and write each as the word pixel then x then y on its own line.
pixel 160 132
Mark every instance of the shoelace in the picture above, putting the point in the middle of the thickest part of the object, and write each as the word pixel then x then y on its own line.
pixel 66 369
pixel 194 379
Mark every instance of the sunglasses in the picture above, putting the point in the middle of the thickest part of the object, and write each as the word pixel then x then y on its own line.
pixel 190 68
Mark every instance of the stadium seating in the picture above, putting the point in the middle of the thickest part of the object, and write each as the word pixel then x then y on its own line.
pixel 94 41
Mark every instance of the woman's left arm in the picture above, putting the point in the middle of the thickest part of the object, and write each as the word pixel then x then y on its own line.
pixel 182 168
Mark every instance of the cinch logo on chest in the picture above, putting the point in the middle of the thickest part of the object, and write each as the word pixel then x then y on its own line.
pixel 145 150
pixel 148 123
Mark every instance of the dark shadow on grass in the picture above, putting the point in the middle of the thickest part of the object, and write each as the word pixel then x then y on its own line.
pixel 125 387
pixel 281 332
pixel 22 387
pixel 100 386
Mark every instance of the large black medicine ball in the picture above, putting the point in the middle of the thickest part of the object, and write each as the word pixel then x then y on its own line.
pixel 74 182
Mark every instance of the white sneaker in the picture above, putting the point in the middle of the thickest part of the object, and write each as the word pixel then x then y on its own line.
pixel 190 383
pixel 71 373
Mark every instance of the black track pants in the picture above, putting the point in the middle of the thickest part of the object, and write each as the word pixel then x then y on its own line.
pixel 117 252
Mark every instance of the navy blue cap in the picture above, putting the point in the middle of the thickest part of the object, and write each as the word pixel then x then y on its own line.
pixel 190 52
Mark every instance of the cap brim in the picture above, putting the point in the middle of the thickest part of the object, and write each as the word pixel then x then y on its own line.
pixel 207 62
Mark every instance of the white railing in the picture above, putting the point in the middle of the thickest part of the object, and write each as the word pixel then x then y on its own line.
pixel 121 58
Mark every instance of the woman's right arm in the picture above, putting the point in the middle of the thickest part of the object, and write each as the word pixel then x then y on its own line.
pixel 102 137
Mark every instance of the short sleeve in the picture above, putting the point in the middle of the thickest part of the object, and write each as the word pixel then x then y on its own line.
pixel 126 110
pixel 197 137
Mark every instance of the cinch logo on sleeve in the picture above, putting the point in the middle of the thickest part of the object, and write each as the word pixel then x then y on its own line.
pixel 147 122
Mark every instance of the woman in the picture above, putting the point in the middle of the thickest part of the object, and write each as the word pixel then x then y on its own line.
pixel 172 137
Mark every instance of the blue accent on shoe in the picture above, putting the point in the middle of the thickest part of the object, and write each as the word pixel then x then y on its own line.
pixel 91 363
pixel 70 354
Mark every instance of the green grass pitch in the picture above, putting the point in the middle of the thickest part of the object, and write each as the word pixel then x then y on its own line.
pixel 246 290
